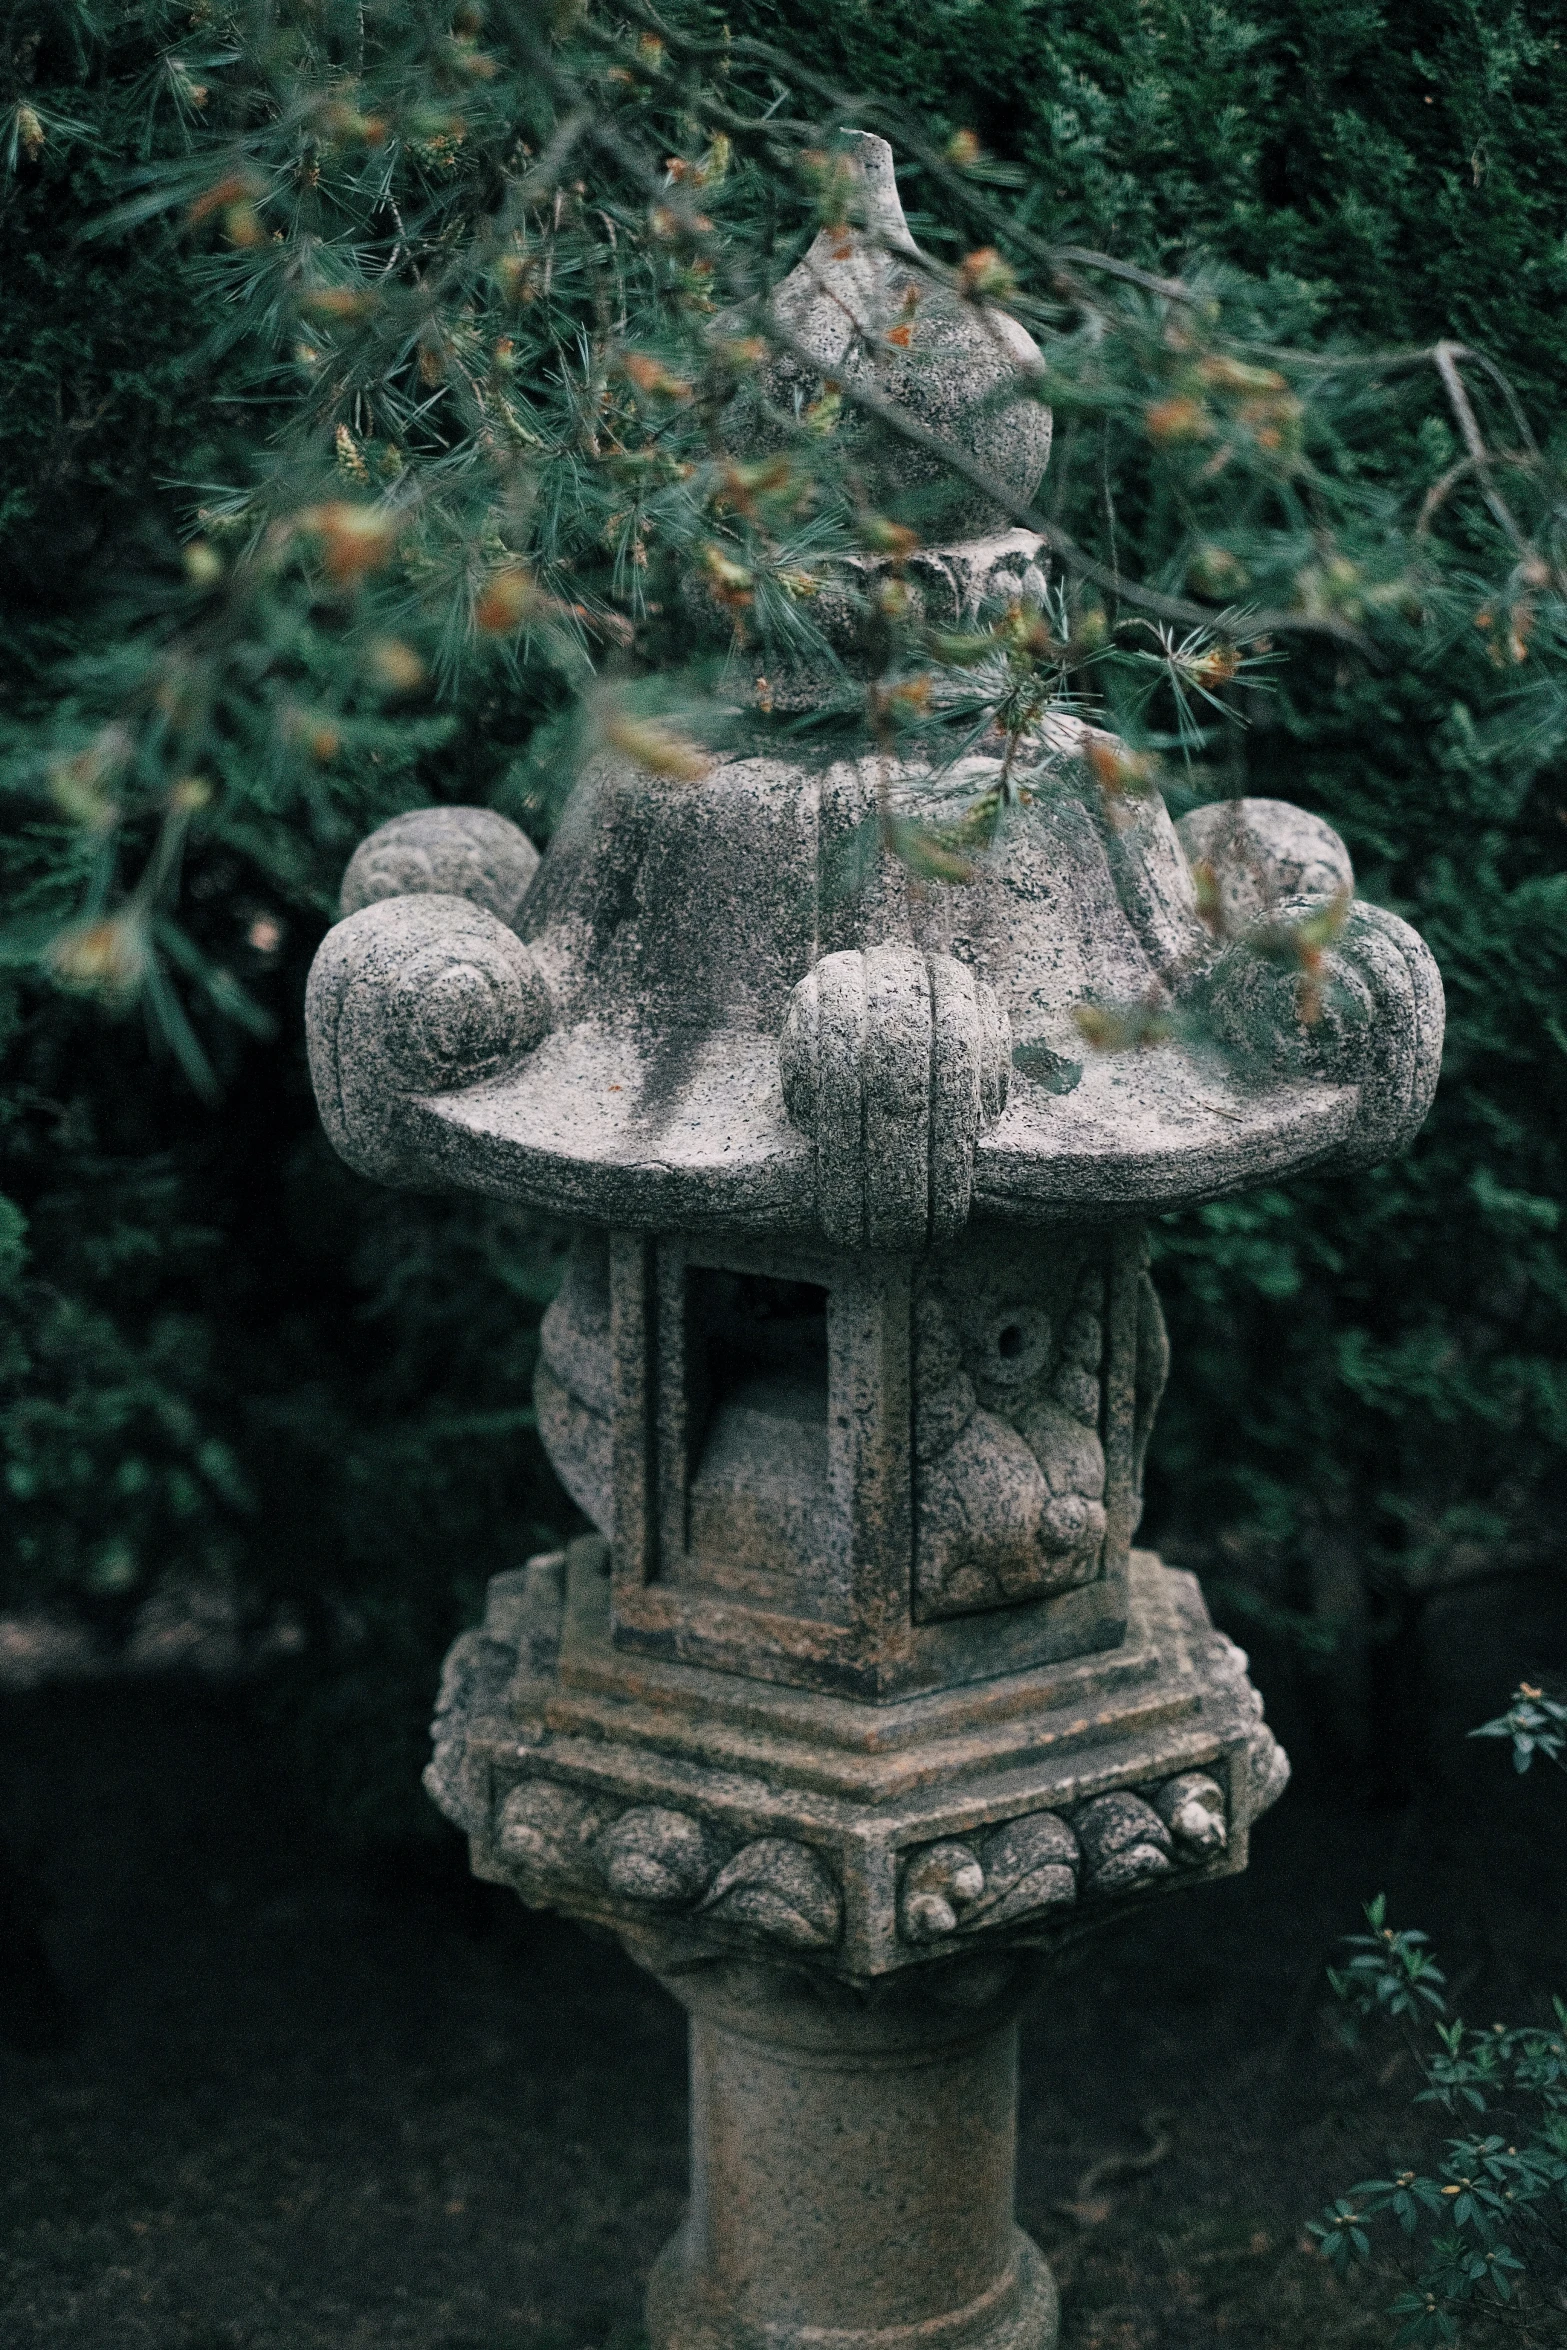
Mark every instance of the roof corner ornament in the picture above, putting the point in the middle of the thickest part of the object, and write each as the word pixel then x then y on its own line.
pixel 894 1062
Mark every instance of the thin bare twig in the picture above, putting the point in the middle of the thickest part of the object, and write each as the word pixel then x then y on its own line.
pixel 1445 356
pixel 1514 404
pixel 1439 491
pixel 846 103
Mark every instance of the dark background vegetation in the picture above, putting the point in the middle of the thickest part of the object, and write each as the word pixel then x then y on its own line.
pixel 346 2090
pixel 226 1359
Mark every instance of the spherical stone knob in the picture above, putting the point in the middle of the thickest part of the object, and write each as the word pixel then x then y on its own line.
pixel 1192 1808
pixel 1263 851
pixel 443 852
pixel 1373 1018
pixel 1072 1521
pixel 893 1062
pixel 939 1883
pixel 411 996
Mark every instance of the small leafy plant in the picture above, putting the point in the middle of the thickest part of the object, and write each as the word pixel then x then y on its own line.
pixel 1491 2220
pixel 1535 1723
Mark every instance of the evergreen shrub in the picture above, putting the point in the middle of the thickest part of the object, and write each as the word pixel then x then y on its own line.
pixel 225 1356
pixel 1370 1398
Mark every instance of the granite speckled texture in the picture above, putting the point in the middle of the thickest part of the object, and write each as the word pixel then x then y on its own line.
pixel 446 852
pixel 900 2231
pixel 678 938
pixel 861 1703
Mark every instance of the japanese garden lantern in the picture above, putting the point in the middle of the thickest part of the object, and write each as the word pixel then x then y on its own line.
pixel 860 1700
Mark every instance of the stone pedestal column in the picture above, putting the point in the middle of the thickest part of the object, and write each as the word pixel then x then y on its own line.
pixel 851 2165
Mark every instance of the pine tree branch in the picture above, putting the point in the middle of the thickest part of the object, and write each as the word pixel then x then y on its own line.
pixel 844 104
pixel 1028 517
pixel 1020 511
pixel 1446 357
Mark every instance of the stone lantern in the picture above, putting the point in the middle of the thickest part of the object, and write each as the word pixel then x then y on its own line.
pixel 860 1701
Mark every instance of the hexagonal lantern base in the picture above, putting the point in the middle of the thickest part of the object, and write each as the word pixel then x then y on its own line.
pixel 851 1900
pixel 646 1794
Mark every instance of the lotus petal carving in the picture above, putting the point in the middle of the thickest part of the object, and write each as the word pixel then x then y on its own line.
pixel 781 1889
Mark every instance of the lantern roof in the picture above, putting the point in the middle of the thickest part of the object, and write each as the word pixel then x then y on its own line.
pixel 732 1005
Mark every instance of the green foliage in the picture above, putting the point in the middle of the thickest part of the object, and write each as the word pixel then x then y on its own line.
pixel 1391 1974
pixel 222 1359
pixel 1487 2222
pixel 1378 1357
pixel 374 410
pixel 1536 1724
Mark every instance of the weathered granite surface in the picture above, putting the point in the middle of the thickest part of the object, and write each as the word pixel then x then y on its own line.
pixel 444 852
pixel 964 371
pixel 728 1009
pixel 702 1808
pixel 852 2167
pixel 734 1011
pixel 860 1704
pixel 857 1472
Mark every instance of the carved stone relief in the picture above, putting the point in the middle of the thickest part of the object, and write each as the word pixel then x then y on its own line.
pixel 1009 1404
pixel 557 1840
pixel 572 1384
pixel 1046 1862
